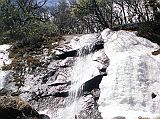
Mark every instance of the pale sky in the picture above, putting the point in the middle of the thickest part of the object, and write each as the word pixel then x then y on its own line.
pixel 52 2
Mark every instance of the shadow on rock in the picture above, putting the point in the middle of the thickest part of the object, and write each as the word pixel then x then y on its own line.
pixel 43 116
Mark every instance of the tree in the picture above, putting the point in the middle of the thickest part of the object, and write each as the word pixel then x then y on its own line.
pixel 22 18
pixel 61 17
pixel 90 13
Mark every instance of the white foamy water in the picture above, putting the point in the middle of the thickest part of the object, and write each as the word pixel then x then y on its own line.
pixel 133 75
pixel 3 60
pixel 85 68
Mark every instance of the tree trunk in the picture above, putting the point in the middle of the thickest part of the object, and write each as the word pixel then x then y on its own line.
pixel 123 10
pixel 99 15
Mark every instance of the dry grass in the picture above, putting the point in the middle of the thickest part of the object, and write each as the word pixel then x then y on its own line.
pixel 13 102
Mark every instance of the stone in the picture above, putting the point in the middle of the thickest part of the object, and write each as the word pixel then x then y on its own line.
pixel 48 87
pixel 43 116
pixel 16 108
pixel 119 117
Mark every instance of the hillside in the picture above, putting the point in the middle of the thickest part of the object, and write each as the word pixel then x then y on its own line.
pixel 112 74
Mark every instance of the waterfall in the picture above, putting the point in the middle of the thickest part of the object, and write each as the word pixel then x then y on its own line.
pixel 82 72
pixel 61 90
pixel 84 69
pixel 78 77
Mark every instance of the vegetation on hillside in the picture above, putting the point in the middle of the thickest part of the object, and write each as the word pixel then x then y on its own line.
pixel 34 20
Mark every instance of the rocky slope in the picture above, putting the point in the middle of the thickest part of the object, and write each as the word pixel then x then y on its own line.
pixel 71 81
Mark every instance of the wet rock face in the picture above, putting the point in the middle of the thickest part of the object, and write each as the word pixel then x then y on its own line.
pixel 47 88
pixel 85 50
pixel 90 110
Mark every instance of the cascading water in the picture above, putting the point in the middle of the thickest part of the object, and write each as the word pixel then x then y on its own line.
pixel 85 68
pixel 82 72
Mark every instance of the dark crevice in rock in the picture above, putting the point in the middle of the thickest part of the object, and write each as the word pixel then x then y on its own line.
pixel 49 74
pixel 85 50
pixel 10 113
pixel 43 116
pixel 3 92
pixel 58 94
pixel 64 66
pixel 57 84
pixel 103 69
pixel 92 84
pixel 44 80
pixel 66 54
pixel 157 52
pixel 98 45
pixel 61 94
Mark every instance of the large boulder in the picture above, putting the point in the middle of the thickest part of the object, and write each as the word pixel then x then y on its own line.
pixel 15 108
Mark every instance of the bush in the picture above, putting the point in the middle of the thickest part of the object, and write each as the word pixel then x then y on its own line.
pixel 21 21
